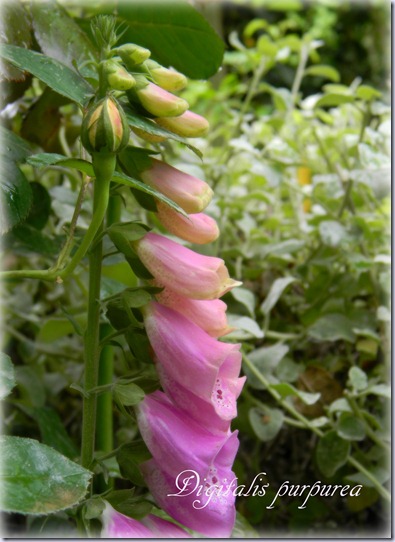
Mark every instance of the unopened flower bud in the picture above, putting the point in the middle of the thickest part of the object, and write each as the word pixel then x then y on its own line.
pixel 187 125
pixel 132 55
pixel 117 77
pixel 155 100
pixel 105 128
pixel 168 79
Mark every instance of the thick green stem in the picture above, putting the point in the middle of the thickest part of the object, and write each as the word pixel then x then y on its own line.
pixel 104 432
pixel 103 166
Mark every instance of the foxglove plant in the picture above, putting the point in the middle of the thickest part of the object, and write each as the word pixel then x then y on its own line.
pixel 186 427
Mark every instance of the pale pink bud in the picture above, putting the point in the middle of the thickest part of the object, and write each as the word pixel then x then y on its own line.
pixel 159 102
pixel 188 124
pixel 174 266
pixel 196 228
pixel 190 193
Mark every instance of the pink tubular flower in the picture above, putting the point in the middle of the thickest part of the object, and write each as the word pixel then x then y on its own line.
pixel 207 314
pixel 188 124
pixel 186 455
pixel 195 228
pixel 199 373
pixel 189 192
pixel 159 102
pixel 195 276
pixel 116 525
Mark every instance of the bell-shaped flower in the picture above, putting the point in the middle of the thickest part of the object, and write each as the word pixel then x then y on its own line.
pixel 185 457
pixel 117 525
pixel 190 193
pixel 208 314
pixel 193 364
pixel 155 99
pixel 188 124
pixel 196 228
pixel 195 275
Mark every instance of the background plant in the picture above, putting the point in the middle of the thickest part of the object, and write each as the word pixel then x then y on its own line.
pixel 300 169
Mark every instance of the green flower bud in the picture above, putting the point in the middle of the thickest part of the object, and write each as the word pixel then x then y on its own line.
pixel 105 128
pixel 117 77
pixel 168 79
pixel 132 55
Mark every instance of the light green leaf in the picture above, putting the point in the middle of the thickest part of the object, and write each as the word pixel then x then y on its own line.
pixel 246 298
pixel 340 405
pixel 380 389
pixel 367 93
pixel 332 100
pixel 332 233
pixel 36 479
pixel 321 70
pixel 51 72
pixel 7 375
pixel 265 360
pixel 287 390
pixel 266 423
pixel 246 328
pixel 358 379
pixel 331 453
pixel 332 327
pixel 277 288
pixel 128 394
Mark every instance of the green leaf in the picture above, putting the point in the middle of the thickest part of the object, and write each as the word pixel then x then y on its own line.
pixel 60 37
pixel 246 298
pixel 16 197
pixel 28 240
pixel 41 206
pixel 321 70
pixel 51 72
pixel 381 390
pixel 332 233
pixel 7 375
pixel 246 328
pixel 13 148
pixel 15 28
pixel 331 453
pixel 332 327
pixel 287 390
pixel 340 405
pixel 176 34
pixel 332 100
pixel 277 288
pixel 349 427
pixel 367 93
pixel 129 457
pixel 265 360
pixel 128 394
pixel 37 479
pixel 358 379
pixel 266 423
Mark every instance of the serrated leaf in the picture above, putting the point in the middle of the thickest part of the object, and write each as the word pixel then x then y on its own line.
pixel 36 479
pixel 182 37
pixel 331 453
pixel 51 72
pixel 60 37
pixel 321 70
pixel 7 375
pixel 275 292
pixel 266 423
